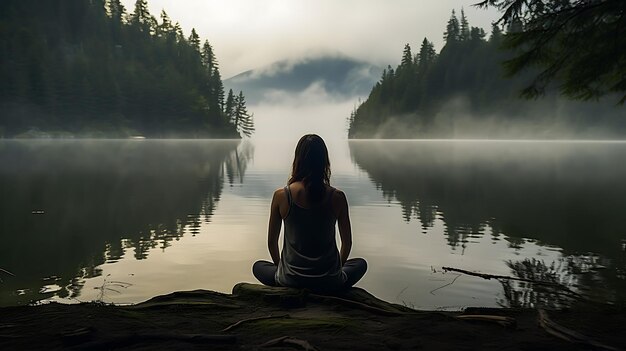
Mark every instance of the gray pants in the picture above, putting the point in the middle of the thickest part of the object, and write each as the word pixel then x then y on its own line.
pixel 354 268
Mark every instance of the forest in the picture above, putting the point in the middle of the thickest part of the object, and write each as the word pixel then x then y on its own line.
pixel 464 91
pixel 75 68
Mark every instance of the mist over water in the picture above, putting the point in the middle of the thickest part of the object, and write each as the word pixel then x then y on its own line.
pixel 288 116
pixel 556 119
pixel 124 220
pixel 162 216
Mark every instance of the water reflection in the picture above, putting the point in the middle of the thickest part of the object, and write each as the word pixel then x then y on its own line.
pixel 568 195
pixel 62 204
pixel 146 213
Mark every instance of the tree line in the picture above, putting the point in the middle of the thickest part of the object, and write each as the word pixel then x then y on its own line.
pixel 92 68
pixel 463 91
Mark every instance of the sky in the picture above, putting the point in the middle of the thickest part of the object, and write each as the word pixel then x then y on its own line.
pixel 249 34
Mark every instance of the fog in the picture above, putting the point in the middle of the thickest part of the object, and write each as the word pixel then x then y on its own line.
pixel 287 116
pixel 551 118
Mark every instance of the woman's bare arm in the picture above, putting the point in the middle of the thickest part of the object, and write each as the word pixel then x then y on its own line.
pixel 345 229
pixel 273 230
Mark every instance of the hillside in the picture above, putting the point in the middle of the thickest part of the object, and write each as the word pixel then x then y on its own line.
pixel 340 76
pixel 462 92
pixel 94 69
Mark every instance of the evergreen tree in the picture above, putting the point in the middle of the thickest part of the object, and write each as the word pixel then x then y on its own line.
pixel 580 44
pixel 427 53
pixel 243 120
pixel 477 34
pixel 496 33
pixel 414 103
pixel 208 57
pixel 194 40
pixel 407 57
pixel 141 16
pixel 88 69
pixel 229 107
pixel 116 11
pixel 218 91
pixel 166 28
pixel 180 36
pixel 453 30
pixel 464 31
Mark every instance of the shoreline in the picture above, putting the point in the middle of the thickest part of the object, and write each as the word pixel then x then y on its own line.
pixel 259 317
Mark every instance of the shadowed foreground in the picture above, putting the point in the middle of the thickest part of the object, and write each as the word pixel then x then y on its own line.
pixel 259 317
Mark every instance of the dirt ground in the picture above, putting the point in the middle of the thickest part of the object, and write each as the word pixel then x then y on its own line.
pixel 255 317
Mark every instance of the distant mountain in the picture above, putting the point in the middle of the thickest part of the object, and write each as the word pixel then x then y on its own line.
pixel 338 75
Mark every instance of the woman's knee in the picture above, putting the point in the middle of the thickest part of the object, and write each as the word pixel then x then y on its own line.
pixel 257 266
pixel 359 264
pixel 264 271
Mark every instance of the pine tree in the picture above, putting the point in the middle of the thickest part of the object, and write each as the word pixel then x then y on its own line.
pixel 243 120
pixel 141 16
pixel 165 29
pixel 427 54
pixel 229 107
pixel 208 57
pixel 452 29
pixel 194 40
pixel 580 45
pixel 407 58
pixel 477 34
pixel 180 36
pixel 496 33
pixel 119 78
pixel 464 33
pixel 116 11
pixel 218 89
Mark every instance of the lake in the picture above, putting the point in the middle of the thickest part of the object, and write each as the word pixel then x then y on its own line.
pixel 121 221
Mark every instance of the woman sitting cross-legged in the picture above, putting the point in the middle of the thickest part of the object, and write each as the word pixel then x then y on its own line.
pixel 310 208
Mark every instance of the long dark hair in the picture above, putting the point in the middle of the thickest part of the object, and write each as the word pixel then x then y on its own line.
pixel 311 166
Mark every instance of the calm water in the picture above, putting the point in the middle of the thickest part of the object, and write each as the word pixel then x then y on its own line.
pixel 122 221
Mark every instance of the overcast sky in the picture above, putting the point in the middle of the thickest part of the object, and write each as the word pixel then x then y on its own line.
pixel 247 34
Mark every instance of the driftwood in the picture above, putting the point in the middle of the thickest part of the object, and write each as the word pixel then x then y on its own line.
pixel 567 334
pixel 506 277
pixel 235 325
pixel 290 341
pixel 7 272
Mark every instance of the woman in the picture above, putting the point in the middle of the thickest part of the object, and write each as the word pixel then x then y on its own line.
pixel 310 208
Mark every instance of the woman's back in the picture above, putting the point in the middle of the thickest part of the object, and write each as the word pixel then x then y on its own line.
pixel 310 209
pixel 310 256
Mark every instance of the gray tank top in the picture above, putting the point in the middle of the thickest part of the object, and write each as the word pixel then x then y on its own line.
pixel 310 258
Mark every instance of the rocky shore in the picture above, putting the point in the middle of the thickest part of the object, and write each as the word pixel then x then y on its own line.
pixel 256 317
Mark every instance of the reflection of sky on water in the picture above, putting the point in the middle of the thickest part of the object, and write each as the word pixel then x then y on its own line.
pixel 405 260
pixel 215 250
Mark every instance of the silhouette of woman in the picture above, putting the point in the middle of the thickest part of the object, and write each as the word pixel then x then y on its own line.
pixel 310 208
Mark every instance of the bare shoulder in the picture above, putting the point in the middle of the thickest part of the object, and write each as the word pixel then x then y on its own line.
pixel 279 194
pixel 339 197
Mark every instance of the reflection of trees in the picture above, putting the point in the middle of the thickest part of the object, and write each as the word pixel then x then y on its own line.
pixel 529 295
pixel 100 199
pixel 237 162
pixel 578 272
pixel 569 195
